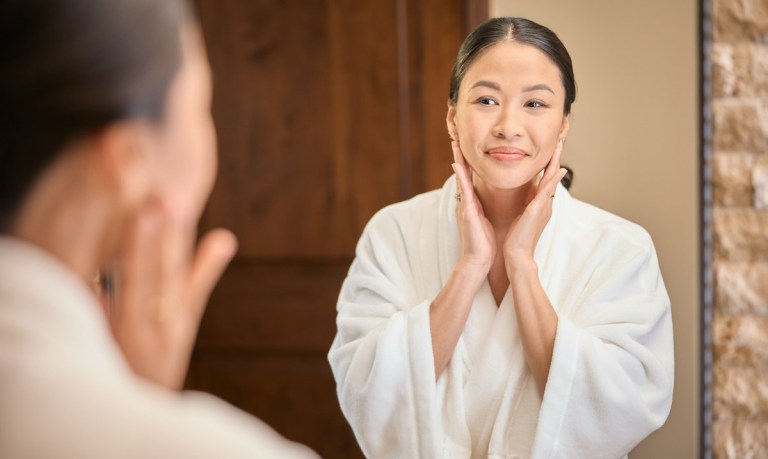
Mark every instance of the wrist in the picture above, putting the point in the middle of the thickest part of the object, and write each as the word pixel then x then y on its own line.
pixel 520 266
pixel 470 271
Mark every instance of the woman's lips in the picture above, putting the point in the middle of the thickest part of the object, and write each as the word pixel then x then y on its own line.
pixel 507 154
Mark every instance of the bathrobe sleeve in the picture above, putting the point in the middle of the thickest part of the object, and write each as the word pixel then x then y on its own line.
pixel 611 378
pixel 382 354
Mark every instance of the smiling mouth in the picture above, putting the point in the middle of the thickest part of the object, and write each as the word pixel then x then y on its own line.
pixel 507 154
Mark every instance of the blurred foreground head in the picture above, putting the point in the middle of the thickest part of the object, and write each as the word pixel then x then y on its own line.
pixel 110 96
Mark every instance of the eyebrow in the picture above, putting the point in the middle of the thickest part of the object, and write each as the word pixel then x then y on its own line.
pixel 487 84
pixel 492 85
pixel 538 87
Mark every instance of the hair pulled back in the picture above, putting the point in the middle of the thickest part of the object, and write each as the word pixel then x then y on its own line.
pixel 519 30
pixel 69 68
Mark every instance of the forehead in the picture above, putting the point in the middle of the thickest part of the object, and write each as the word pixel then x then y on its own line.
pixel 510 64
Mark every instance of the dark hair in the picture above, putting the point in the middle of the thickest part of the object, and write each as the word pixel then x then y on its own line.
pixel 519 30
pixel 69 68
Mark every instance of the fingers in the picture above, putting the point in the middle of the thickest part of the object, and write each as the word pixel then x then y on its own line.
pixel 215 251
pixel 463 182
pixel 554 163
pixel 463 178
pixel 178 234
pixel 464 186
pixel 156 264
pixel 164 286
pixel 458 155
pixel 548 189
pixel 552 175
pixel 140 270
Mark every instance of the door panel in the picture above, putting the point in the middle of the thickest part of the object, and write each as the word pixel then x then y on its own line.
pixel 327 111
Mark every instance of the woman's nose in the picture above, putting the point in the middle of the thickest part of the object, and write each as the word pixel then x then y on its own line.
pixel 508 124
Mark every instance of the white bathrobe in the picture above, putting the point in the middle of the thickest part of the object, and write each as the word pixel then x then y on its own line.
pixel 66 391
pixel 611 377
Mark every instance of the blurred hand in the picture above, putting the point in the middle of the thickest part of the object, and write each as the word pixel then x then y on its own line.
pixel 162 288
pixel 524 233
pixel 478 242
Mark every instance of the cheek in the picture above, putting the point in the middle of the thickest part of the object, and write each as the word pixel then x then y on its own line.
pixel 201 158
pixel 546 151
pixel 470 132
pixel 206 159
pixel 465 124
pixel 188 165
pixel 546 136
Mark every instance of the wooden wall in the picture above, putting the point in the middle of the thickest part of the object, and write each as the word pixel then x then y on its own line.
pixel 327 110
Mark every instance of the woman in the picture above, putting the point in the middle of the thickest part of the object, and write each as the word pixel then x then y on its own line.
pixel 107 155
pixel 500 317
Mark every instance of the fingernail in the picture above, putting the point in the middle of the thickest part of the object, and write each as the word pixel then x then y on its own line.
pixel 229 243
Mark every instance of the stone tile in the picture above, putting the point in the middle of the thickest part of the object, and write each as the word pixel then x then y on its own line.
pixel 740 391
pixel 740 234
pixel 740 125
pixel 723 70
pixel 740 20
pixel 741 288
pixel 732 179
pixel 739 438
pixel 760 183
pixel 740 70
pixel 741 341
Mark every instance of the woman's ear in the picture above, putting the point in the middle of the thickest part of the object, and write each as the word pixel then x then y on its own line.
pixel 122 161
pixel 450 121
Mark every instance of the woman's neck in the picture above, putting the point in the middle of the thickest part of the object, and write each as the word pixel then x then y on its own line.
pixel 61 216
pixel 502 206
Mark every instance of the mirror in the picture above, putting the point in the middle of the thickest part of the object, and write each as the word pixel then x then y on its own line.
pixel 633 146
pixel 634 149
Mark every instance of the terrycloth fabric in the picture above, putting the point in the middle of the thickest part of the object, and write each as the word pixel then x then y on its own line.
pixel 66 391
pixel 611 378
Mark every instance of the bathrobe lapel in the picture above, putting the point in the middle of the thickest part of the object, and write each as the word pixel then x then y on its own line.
pixel 490 350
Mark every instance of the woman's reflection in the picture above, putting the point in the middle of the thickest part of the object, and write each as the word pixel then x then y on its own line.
pixel 499 316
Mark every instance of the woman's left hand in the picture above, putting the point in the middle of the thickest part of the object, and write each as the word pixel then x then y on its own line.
pixel 524 233
pixel 162 287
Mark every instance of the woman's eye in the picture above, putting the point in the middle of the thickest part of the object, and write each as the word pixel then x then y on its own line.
pixel 535 104
pixel 486 101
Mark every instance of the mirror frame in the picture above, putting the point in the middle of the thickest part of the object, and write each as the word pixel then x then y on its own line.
pixel 705 207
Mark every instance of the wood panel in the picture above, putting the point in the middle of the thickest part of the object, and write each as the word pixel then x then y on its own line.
pixel 293 393
pixel 327 111
pixel 284 306
pixel 307 124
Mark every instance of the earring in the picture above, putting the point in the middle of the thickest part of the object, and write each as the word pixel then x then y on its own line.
pixel 561 140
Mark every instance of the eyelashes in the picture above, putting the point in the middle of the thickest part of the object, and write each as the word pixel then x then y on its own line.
pixel 536 104
pixel 488 102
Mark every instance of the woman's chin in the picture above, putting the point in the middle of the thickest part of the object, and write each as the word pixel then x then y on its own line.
pixel 505 180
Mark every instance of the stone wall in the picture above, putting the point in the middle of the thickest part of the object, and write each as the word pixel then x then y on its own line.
pixel 740 228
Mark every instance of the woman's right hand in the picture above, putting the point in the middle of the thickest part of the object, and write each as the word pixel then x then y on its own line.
pixel 478 241
pixel 449 311
pixel 163 286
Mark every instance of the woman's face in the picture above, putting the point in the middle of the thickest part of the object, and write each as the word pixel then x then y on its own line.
pixel 508 116
pixel 182 147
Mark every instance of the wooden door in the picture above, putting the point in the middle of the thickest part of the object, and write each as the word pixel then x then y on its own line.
pixel 326 110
